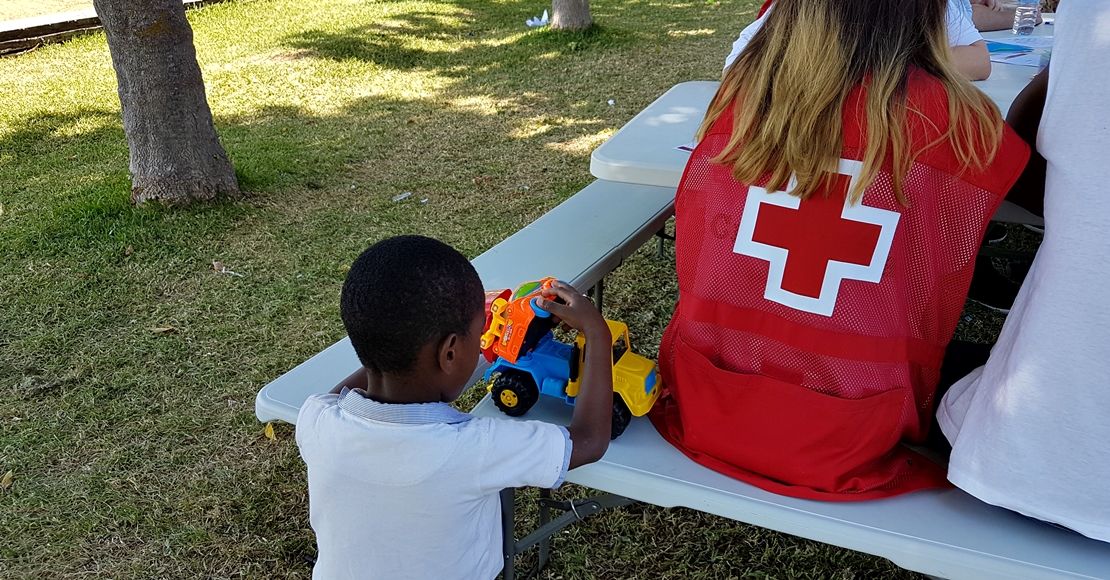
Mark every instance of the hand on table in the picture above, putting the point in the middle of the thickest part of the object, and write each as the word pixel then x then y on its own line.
pixel 992 4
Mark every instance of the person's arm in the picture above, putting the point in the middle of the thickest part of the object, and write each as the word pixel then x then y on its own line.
pixel 745 38
pixel 987 19
pixel 591 423
pixel 1025 118
pixel 357 380
pixel 973 60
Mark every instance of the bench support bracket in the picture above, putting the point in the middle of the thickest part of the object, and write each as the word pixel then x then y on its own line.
pixel 597 293
pixel 663 237
pixel 573 511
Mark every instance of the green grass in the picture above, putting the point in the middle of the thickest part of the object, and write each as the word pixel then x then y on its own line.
pixel 17 9
pixel 136 453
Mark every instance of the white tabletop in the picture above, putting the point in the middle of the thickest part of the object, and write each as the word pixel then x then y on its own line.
pixel 645 152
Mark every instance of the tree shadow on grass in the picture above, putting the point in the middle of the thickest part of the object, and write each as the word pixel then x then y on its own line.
pixel 397 46
pixel 385 46
pixel 68 194
pixel 64 176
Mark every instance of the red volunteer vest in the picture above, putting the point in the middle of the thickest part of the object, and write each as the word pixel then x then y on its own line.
pixel 808 337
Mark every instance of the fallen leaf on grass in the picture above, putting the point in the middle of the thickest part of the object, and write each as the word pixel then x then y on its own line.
pixel 269 431
pixel 129 251
pixel 221 269
pixel 1 209
pixel 6 481
pixel 165 330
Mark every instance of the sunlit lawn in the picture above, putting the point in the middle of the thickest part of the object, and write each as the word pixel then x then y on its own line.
pixel 17 9
pixel 128 366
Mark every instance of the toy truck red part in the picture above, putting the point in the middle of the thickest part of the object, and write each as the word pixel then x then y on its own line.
pixel 514 325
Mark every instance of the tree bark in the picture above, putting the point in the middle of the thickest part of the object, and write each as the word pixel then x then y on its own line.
pixel 176 157
pixel 570 14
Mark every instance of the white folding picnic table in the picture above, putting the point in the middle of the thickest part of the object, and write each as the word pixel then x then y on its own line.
pixel 941 533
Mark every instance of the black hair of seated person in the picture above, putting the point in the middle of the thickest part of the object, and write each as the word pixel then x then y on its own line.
pixel 401 294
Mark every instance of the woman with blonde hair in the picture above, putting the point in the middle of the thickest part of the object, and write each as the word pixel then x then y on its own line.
pixel 827 226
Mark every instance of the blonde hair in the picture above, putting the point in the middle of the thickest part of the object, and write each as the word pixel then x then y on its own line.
pixel 790 84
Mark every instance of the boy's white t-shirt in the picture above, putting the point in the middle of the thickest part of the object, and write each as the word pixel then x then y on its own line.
pixel 961 30
pixel 1029 431
pixel 411 491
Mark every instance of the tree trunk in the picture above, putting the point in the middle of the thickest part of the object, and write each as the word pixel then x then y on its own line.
pixel 570 14
pixel 176 157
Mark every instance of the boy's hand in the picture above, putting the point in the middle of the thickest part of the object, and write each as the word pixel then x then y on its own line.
pixel 579 312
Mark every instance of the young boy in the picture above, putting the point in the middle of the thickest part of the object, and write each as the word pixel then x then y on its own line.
pixel 400 484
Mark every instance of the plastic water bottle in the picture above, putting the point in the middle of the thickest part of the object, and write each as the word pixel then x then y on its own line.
pixel 1025 16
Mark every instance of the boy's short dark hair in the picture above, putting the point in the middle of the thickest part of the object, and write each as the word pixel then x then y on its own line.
pixel 403 293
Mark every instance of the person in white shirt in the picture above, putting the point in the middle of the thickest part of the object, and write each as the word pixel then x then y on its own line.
pixel 400 484
pixel 1029 430
pixel 969 50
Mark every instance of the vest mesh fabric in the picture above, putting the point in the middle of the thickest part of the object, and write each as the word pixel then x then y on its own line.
pixel 875 361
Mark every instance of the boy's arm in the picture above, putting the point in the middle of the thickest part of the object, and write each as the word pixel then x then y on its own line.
pixel 593 408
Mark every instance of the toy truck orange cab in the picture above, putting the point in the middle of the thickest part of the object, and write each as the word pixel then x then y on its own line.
pixel 516 324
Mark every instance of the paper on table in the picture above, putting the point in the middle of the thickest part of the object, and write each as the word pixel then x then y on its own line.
pixel 1020 59
pixel 996 46
pixel 1028 41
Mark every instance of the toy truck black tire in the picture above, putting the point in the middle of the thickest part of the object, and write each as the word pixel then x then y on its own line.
pixel 514 392
pixel 622 416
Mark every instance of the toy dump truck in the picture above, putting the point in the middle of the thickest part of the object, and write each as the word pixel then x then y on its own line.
pixel 530 362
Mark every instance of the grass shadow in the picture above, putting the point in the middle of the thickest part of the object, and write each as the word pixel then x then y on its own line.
pixel 402 45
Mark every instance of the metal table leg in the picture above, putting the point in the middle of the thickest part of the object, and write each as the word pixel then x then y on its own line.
pixel 572 511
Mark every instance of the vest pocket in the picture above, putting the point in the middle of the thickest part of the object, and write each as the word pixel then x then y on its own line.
pixel 781 430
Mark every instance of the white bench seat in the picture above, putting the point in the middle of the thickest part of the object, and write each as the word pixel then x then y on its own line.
pixel 940 533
